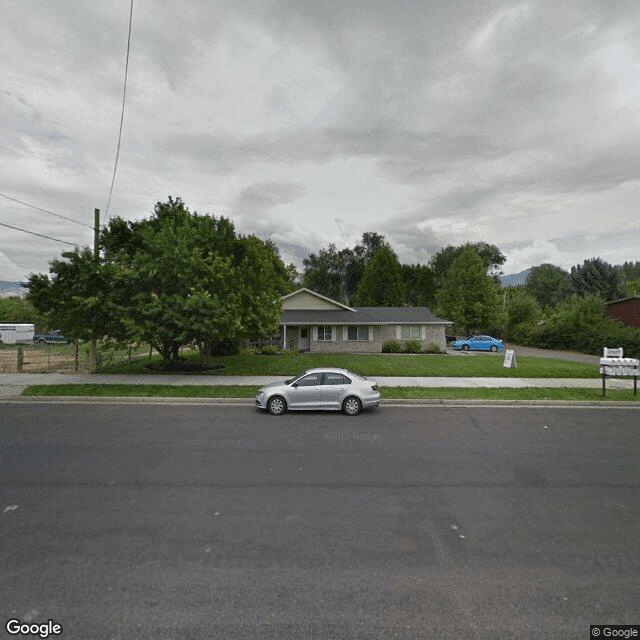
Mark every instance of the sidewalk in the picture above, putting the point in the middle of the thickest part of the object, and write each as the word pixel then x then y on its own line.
pixel 12 384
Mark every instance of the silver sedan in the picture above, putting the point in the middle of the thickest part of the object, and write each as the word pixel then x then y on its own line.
pixel 337 389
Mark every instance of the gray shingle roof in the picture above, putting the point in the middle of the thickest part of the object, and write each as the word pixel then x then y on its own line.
pixel 362 315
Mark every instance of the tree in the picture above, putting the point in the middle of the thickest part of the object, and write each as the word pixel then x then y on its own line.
pixel 381 284
pixel 174 279
pixel 14 309
pixel 522 314
pixel 186 278
pixel 492 259
pixel 418 285
pixel 336 274
pixel 595 276
pixel 75 296
pixel 469 296
pixel 549 284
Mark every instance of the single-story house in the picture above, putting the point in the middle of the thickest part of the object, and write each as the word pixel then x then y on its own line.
pixel 627 310
pixel 312 322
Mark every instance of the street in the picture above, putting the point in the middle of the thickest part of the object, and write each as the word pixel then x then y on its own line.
pixel 180 521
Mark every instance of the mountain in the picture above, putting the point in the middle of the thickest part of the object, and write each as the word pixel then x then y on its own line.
pixel 11 289
pixel 515 279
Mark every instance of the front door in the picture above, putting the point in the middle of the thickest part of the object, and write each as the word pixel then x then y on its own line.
pixel 303 339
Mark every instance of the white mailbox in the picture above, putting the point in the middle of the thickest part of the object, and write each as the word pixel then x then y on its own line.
pixel 613 364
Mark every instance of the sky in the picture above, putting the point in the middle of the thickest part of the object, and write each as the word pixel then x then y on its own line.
pixel 311 122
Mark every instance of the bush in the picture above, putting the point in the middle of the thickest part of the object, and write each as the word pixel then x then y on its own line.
pixel 391 347
pixel 412 346
pixel 269 350
pixel 247 351
pixel 432 348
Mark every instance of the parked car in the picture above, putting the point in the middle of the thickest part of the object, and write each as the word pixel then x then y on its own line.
pixel 479 343
pixel 323 388
pixel 52 337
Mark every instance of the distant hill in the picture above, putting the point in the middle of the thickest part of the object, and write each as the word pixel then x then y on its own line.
pixel 515 279
pixel 8 289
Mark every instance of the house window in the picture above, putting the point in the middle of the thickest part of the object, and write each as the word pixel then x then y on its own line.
pixel 324 333
pixel 359 332
pixel 410 332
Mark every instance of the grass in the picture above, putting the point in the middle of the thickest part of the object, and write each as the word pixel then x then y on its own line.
pixel 475 365
pixel 388 393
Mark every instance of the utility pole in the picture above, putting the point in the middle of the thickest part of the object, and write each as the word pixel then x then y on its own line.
pixel 93 350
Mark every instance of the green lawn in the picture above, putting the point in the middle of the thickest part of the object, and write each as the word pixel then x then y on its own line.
pixel 388 393
pixel 474 365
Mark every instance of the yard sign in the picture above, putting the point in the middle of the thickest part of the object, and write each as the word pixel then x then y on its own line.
pixel 510 359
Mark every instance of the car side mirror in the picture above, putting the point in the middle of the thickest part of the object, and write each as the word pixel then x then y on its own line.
pixel 295 385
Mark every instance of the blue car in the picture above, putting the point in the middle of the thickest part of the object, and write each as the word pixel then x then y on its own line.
pixel 479 343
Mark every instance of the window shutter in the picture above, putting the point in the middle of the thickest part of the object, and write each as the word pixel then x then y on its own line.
pixel 333 334
pixel 424 332
pixel 345 333
pixel 370 333
pixel 398 332
pixel 315 334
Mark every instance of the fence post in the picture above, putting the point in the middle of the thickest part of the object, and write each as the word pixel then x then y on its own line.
pixel 20 363
pixel 75 354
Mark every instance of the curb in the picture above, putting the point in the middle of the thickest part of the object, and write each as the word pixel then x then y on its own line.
pixel 399 402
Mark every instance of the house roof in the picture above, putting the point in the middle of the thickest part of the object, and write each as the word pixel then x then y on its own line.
pixel 362 315
pixel 317 295
pixel 622 300
pixel 335 313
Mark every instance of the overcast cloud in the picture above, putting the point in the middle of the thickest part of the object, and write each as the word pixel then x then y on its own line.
pixel 433 123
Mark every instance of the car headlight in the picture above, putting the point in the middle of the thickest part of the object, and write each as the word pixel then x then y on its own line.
pixel 260 393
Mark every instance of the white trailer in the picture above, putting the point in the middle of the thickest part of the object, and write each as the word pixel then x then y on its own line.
pixel 16 333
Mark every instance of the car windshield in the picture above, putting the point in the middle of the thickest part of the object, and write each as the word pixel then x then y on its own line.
pixel 296 377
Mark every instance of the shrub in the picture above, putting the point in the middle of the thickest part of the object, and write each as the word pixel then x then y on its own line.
pixel 269 350
pixel 391 347
pixel 432 348
pixel 247 351
pixel 412 346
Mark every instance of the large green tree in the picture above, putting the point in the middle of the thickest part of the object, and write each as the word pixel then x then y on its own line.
pixel 337 274
pixel 381 284
pixel 75 296
pixel 596 276
pixel 186 278
pixel 14 309
pixel 173 279
pixel 549 284
pixel 490 255
pixel 469 296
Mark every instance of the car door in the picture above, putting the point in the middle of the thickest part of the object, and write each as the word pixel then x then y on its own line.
pixel 305 392
pixel 334 390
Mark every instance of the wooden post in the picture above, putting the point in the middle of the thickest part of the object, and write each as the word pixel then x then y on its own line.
pixel 20 362
pixel 93 349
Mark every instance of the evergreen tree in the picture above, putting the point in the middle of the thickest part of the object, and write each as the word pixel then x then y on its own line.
pixel 469 296
pixel 381 284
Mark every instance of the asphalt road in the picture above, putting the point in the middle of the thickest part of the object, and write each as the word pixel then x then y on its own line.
pixel 197 522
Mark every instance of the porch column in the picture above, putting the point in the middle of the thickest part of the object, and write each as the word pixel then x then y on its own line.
pixel 284 338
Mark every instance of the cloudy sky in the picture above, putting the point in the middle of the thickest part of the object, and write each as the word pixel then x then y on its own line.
pixel 433 122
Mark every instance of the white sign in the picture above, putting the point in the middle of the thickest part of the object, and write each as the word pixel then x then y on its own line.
pixel 510 359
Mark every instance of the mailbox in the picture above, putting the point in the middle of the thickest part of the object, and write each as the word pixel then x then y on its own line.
pixel 612 364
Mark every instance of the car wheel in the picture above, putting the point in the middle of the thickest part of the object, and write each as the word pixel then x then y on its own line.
pixel 494 348
pixel 351 406
pixel 465 347
pixel 276 405
pixel 42 341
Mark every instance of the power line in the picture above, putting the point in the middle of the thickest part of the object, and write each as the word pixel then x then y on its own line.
pixel 124 95
pixel 33 233
pixel 51 213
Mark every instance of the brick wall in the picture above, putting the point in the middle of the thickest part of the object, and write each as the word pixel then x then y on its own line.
pixel 348 346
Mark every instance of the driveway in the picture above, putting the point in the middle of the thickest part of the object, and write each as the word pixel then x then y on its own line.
pixel 571 356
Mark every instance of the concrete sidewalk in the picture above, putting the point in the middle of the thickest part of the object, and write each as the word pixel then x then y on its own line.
pixel 12 384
